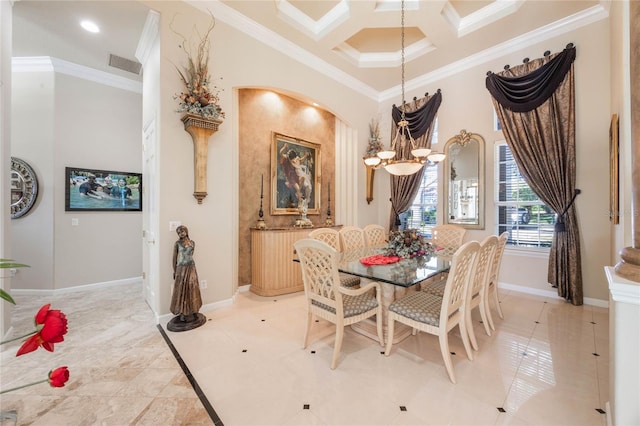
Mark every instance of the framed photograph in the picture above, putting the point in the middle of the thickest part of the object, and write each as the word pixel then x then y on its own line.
pixel 102 190
pixel 614 202
pixel 295 175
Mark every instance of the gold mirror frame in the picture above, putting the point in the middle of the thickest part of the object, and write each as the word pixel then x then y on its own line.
pixel 468 199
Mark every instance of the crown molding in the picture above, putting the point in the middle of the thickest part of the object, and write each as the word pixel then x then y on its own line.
pixel 147 38
pixel 50 64
pixel 555 29
pixel 314 29
pixel 282 45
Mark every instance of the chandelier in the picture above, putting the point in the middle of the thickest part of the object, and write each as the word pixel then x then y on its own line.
pixel 387 158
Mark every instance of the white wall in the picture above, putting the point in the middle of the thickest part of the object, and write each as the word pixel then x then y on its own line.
pixel 63 121
pixel 5 152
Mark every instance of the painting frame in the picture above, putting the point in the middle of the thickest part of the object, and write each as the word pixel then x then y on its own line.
pixel 614 173
pixel 100 190
pixel 298 159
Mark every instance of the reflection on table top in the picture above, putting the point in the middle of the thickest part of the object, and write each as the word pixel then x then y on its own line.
pixel 404 273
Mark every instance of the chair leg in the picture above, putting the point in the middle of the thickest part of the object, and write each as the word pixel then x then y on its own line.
pixel 488 311
pixel 446 355
pixel 337 345
pixel 464 334
pixel 495 298
pixel 485 317
pixel 307 330
pixel 390 327
pixel 379 327
pixel 471 334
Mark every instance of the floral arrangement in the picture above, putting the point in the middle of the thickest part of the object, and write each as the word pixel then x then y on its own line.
pixel 408 243
pixel 50 328
pixel 375 143
pixel 200 95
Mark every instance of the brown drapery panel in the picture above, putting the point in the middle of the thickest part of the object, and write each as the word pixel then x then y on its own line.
pixel 542 140
pixel 420 114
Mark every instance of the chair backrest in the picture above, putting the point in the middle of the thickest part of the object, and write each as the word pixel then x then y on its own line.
pixel 482 274
pixel 328 235
pixel 374 235
pixel 461 271
pixel 449 237
pixel 497 258
pixel 352 237
pixel 320 276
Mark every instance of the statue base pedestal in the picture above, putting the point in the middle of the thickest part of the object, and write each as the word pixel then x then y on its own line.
pixel 629 265
pixel 186 323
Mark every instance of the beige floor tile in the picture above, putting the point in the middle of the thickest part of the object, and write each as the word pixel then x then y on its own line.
pixel 249 362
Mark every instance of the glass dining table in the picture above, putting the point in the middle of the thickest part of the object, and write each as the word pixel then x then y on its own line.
pixel 396 280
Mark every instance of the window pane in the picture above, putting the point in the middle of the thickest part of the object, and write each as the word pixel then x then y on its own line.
pixel 518 210
pixel 422 214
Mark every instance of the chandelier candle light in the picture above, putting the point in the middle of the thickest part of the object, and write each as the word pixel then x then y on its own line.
pixel 386 158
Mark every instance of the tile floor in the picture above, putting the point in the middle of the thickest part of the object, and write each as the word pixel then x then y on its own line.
pixel 547 364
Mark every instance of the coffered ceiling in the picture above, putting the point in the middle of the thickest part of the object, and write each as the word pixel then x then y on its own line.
pixel 355 41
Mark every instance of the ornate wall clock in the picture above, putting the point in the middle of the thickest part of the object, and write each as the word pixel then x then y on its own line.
pixel 24 188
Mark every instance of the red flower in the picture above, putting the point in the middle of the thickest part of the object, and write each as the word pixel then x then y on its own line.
pixel 52 325
pixel 58 377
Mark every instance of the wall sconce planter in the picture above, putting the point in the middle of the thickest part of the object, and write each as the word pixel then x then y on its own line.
pixel 200 130
pixel 370 175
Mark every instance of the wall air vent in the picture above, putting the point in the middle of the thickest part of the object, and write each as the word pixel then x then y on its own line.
pixel 125 64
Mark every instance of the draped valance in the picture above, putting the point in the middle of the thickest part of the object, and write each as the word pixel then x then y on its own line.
pixel 527 92
pixel 420 119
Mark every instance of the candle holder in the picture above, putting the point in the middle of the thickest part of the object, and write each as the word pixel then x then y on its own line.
pixel 329 221
pixel 260 224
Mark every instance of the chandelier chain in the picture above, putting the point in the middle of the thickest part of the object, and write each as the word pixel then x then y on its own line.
pixel 402 54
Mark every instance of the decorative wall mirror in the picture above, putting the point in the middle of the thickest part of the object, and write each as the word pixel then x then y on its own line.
pixel 464 180
pixel 24 188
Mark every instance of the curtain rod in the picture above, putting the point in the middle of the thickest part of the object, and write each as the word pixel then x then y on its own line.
pixel 526 60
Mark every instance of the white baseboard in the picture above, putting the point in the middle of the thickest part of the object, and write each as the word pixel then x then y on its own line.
pixel 550 293
pixel 36 292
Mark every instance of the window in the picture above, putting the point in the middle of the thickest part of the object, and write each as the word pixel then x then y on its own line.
pixel 519 211
pixel 422 213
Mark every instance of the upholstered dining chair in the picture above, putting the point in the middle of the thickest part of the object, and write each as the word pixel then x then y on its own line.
pixel 327 299
pixel 332 237
pixel 374 235
pixel 439 315
pixel 352 237
pixel 492 285
pixel 449 237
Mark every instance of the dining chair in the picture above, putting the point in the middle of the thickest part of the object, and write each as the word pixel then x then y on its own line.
pixel 375 235
pixel 476 293
pixel 327 299
pixel 332 237
pixel 492 285
pixel 328 235
pixel 352 237
pixel 439 315
pixel 449 237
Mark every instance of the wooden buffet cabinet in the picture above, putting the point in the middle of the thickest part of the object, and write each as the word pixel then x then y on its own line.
pixel 273 270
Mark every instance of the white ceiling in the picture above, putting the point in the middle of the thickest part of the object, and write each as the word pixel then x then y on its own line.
pixel 358 40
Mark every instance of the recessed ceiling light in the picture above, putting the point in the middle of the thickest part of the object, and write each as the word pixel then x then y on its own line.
pixel 90 26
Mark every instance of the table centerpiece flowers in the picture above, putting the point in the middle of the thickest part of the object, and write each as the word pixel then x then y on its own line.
pixel 408 243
